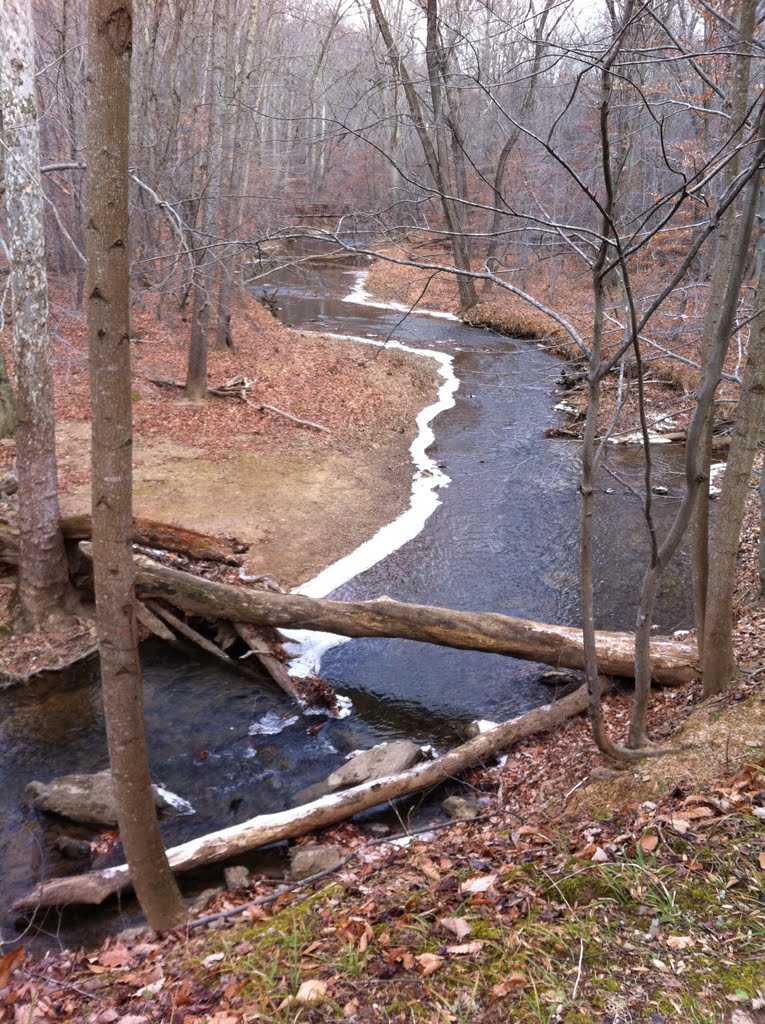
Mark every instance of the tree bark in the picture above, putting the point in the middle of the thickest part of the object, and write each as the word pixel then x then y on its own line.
pixel 109 48
pixel 328 810
pixel 672 662
pixel 205 276
pixel 720 314
pixel 43 579
pixel 7 402
pixel 718 659
pixel 437 164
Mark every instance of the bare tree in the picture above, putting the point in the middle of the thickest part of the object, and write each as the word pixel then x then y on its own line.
pixel 43 576
pixel 205 276
pixel 109 47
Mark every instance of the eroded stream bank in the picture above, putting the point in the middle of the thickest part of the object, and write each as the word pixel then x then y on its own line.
pixel 505 539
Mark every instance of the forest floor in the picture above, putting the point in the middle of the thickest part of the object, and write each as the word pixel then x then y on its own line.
pixel 580 895
pixel 300 498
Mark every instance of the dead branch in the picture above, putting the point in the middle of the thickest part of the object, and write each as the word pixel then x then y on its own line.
pixel 280 412
pixel 96 886
pixel 258 643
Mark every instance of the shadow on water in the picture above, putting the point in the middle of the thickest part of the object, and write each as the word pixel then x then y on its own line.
pixel 504 539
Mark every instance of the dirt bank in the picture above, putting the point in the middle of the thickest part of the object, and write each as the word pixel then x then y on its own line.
pixel 671 345
pixel 301 497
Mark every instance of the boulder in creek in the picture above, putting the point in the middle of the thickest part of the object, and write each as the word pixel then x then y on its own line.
pixel 89 799
pixel 73 848
pixel 237 877
pixel 558 679
pixel 364 766
pixel 376 763
pixel 310 860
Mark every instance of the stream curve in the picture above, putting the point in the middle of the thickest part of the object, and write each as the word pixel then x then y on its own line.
pixel 504 538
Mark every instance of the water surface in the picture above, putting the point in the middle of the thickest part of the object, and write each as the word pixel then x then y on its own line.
pixel 505 538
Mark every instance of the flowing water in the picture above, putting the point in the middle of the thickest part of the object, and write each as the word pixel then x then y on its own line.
pixel 505 538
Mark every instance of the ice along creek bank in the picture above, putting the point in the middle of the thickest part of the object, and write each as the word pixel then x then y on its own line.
pixel 504 539
pixel 506 536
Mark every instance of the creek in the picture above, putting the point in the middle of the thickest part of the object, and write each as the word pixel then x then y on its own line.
pixel 504 538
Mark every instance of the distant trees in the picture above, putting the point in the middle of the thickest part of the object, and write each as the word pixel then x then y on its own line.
pixel 107 290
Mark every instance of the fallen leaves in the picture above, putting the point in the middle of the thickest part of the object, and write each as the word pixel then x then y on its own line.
pixel 429 963
pixel 511 984
pixel 311 991
pixel 478 883
pixel 466 948
pixel 9 963
pixel 457 925
pixel 648 843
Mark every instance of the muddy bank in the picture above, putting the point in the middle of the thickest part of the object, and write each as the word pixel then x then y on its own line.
pixel 301 497
pixel 671 347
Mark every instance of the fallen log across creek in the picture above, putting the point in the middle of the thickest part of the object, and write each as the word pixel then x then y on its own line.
pixel 672 663
pixel 146 532
pixel 96 886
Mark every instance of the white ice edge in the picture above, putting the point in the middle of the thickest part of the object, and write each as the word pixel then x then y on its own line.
pixel 306 647
pixel 361 297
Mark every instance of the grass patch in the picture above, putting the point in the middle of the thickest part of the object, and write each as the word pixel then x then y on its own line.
pixel 678 935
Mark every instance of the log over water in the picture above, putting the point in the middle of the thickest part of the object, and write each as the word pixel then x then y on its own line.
pixel 673 663
pixel 96 886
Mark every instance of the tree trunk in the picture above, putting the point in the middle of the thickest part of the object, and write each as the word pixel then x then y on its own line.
pixel 7 397
pixel 437 164
pixel 206 275
pixel 43 579
pixel 109 47
pixel 720 313
pixel 7 402
pixel 672 662
pixel 718 659
pixel 328 810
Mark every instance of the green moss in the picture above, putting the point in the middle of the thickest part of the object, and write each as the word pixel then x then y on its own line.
pixel 578 889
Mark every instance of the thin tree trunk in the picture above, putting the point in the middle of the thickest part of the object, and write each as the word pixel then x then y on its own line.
pixel 593 668
pixel 206 274
pixel 109 47
pixel 526 108
pixel 719 662
pixel 695 477
pixel 717 308
pixel 437 168
pixel 43 577
pixel 7 397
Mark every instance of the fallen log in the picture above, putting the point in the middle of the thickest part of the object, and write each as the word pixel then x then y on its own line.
pixel 673 663
pixel 146 532
pixel 95 886
pixel 259 646
pixel 190 634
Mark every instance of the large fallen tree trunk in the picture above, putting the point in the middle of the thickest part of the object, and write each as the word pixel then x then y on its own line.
pixel 672 662
pixel 328 810
pixel 146 532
